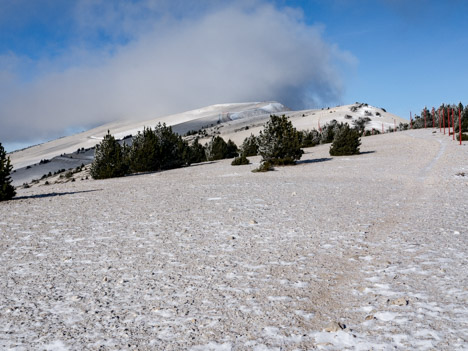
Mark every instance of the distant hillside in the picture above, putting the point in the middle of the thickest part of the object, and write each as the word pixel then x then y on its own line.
pixel 234 121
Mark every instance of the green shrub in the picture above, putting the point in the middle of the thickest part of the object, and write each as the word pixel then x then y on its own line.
pixel 218 149
pixel 173 150
pixel 250 146
pixel 464 136
pixel 144 152
pixel 109 159
pixel 232 150
pixel 346 142
pixel 279 142
pixel 7 191
pixel 240 160
pixel 158 149
pixel 362 122
pixel 329 131
pixel 264 167
pixel 309 138
pixel 197 152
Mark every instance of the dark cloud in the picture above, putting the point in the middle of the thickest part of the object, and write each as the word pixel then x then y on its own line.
pixel 170 63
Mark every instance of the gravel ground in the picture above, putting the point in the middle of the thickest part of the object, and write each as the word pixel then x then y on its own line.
pixel 367 252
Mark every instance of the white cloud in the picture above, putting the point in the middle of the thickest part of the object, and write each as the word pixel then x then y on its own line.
pixel 173 63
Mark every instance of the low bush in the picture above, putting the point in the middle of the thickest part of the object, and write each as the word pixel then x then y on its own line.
pixel 346 142
pixel 264 167
pixel 279 142
pixel 240 160
pixel 464 136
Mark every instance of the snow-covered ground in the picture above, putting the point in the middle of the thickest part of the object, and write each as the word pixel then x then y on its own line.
pixel 346 253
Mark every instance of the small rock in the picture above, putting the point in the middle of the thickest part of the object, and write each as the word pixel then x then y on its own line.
pixel 333 327
pixel 456 232
pixel 253 221
pixel 230 210
pixel 369 317
pixel 293 193
pixel 401 301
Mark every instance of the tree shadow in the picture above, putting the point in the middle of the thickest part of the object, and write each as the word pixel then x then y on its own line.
pixel 39 196
pixel 315 160
pixel 170 169
pixel 366 152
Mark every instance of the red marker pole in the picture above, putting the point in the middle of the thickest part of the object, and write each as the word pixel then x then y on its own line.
pixel 448 121
pixel 411 120
pixel 459 125
pixel 425 118
pixel 433 117
pixel 440 123
pixel 453 125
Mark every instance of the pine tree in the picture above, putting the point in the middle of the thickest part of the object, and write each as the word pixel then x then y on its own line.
pixel 7 191
pixel 250 146
pixel 109 159
pixel 216 149
pixel 309 138
pixel 240 160
pixel 197 152
pixel 346 142
pixel 279 143
pixel 173 150
pixel 361 123
pixel 144 155
pixel 232 150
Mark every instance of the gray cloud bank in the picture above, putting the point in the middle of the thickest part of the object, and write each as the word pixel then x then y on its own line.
pixel 235 53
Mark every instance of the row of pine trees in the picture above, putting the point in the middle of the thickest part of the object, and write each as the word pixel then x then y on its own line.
pixel 155 149
pixel 279 143
pixel 441 115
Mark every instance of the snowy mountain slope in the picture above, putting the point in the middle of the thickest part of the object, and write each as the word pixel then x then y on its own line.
pixel 181 123
pixel 234 121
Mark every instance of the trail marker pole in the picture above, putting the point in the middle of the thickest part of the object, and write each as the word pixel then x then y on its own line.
pixel 425 118
pixel 433 117
pixel 448 121
pixel 453 125
pixel 411 120
pixel 459 125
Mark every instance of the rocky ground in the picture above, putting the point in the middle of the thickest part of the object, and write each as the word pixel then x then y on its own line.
pixel 362 253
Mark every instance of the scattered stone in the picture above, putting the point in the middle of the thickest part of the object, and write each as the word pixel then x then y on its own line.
pixel 401 301
pixel 253 221
pixel 334 327
pixel 230 210
pixel 369 317
pixel 294 193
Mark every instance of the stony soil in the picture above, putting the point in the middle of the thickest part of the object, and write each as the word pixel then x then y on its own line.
pixel 362 253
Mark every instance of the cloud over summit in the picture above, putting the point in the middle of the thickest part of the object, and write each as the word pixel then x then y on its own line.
pixel 164 63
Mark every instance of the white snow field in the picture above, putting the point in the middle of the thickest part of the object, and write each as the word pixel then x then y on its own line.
pixel 367 252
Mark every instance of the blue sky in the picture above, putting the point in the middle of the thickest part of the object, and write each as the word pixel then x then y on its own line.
pixel 70 65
